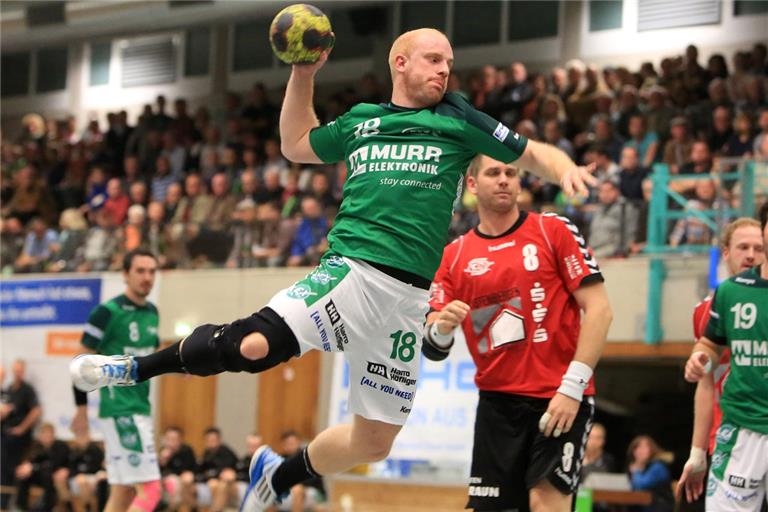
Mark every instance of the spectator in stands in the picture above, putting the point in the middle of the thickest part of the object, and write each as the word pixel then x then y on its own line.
pixel 215 471
pixel 320 189
pixel 272 189
pixel 275 236
pixel 138 193
pixel 116 203
pixel 515 95
pixel 45 466
pixel 162 178
pixel 223 203
pixel 95 189
pixel 631 176
pixel 245 233
pixel 260 112
pixel 230 162
pixel 174 152
pixel 157 236
pixel 248 183
pixel 38 246
pixel 88 479
pixel 646 143
pixel 596 459
pixel 19 413
pixel 195 206
pixel 183 125
pixel 100 245
pixel 677 151
pixel 65 251
pixel 754 99
pixel 759 60
pixel 11 242
pixel 160 121
pixel 606 136
pixel 649 471
pixel 172 199
pixel 742 141
pixel 628 107
pixel 613 224
pixel 659 113
pixel 309 243
pixel 31 197
pixel 116 140
pixel 691 230
pixel 177 466
pixel 762 124
pixel 133 234
pixel 559 82
pixel 722 130
pixel 700 161
pixel 554 136
pixel 273 160
pixel 737 80
pixel 252 443
pixel 605 168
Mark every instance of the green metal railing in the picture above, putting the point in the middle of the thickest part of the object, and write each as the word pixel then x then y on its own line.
pixel 660 215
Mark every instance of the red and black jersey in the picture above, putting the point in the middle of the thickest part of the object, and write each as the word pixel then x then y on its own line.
pixel 524 322
pixel 700 321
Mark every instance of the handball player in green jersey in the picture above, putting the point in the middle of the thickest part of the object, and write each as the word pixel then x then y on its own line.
pixel 367 298
pixel 738 473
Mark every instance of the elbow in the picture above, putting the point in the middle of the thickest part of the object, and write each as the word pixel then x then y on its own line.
pixel 287 150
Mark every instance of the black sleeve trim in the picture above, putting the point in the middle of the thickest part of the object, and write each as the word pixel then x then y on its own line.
pixel 592 278
pixel 709 333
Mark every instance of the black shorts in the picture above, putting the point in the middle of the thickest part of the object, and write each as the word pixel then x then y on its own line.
pixel 511 456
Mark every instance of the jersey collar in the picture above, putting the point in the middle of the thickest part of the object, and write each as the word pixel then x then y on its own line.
pixel 517 224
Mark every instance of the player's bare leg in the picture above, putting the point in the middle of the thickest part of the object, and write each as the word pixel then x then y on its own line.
pixel 120 498
pixel 545 498
pixel 344 446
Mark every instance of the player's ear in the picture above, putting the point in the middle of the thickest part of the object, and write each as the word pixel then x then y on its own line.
pixel 471 183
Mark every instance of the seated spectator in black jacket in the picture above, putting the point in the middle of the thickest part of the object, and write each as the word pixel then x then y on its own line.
pixel 177 466
pixel 86 474
pixel 632 175
pixel 215 470
pixel 237 491
pixel 46 466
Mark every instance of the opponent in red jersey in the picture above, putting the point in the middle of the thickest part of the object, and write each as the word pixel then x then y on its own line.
pixel 517 284
pixel 742 248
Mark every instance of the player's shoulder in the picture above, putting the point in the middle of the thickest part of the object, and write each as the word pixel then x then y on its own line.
pixel 749 278
pixel 703 305
pixel 552 219
pixel 454 105
pixel 365 110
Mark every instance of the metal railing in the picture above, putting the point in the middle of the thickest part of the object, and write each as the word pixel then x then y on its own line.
pixel 736 172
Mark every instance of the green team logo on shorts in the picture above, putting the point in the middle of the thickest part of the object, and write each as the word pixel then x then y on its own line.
pixel 725 432
pixel 324 278
pixel 134 459
pixel 128 433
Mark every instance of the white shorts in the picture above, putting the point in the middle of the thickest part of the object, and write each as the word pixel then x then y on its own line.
pixel 346 305
pixel 738 475
pixel 129 443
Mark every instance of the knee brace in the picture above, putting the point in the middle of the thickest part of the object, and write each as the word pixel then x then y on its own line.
pixel 212 349
pixel 148 496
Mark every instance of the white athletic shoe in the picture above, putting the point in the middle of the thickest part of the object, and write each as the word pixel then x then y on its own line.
pixel 260 494
pixel 91 371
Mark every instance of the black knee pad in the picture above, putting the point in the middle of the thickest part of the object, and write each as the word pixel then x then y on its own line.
pixel 212 349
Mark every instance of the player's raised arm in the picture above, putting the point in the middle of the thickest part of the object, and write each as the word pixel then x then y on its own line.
pixel 297 116
pixel 554 165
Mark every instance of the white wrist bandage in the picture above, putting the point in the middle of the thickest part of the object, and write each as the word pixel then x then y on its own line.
pixel 575 380
pixel 708 364
pixel 697 459
pixel 440 340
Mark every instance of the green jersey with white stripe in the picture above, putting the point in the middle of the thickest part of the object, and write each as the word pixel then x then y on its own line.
pixel 739 319
pixel 405 169
pixel 118 327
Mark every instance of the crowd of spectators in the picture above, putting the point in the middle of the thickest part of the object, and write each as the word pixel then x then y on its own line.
pixel 211 189
pixel 42 472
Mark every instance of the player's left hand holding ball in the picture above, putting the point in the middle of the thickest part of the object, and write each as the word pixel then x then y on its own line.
pixel 301 35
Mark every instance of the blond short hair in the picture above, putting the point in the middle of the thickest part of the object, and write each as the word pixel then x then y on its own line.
pixel 404 44
pixel 727 235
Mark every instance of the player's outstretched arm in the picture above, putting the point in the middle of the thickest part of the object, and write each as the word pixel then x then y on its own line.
pixel 695 469
pixel 554 165
pixel 297 116
pixel 562 409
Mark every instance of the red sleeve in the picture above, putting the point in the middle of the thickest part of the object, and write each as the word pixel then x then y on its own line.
pixel 575 262
pixel 442 290
pixel 701 318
